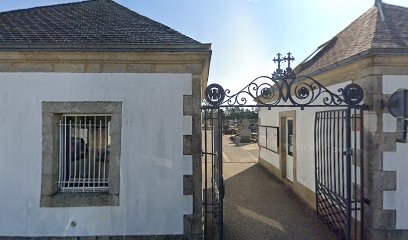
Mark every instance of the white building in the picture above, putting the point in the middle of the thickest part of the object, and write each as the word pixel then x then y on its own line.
pixel 100 121
pixel 372 52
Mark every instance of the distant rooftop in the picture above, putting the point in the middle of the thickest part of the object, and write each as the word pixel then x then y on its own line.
pixel 87 24
pixel 382 29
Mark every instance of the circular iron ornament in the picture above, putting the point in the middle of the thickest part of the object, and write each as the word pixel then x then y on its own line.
pixel 214 94
pixel 353 94
pixel 266 92
pixel 303 92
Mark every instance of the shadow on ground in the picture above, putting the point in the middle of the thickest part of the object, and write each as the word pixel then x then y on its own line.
pixel 258 206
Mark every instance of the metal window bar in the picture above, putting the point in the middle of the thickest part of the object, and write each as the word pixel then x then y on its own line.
pixel 84 143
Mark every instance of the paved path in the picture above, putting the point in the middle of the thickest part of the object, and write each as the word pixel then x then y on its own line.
pixel 258 206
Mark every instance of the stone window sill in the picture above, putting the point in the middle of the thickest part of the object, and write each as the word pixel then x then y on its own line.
pixel 68 199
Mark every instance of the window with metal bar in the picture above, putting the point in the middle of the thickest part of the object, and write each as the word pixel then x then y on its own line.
pixel 81 154
pixel 84 149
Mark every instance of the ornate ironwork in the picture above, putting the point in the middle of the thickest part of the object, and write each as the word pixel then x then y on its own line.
pixel 214 94
pixel 284 88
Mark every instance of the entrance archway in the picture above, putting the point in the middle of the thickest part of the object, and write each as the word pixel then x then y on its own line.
pixel 338 145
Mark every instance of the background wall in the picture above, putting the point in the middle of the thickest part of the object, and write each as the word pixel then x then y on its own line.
pixel 152 162
pixel 305 167
pixel 398 160
pixel 268 118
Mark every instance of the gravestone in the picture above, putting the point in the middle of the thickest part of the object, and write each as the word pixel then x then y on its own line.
pixel 245 132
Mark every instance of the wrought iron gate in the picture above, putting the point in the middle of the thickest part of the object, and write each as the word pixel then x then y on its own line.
pixel 338 145
pixel 213 182
pixel 339 175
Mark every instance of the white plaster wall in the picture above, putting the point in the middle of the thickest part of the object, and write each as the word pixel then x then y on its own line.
pixel 268 119
pixel 305 165
pixel 269 156
pixel 396 161
pixel 152 163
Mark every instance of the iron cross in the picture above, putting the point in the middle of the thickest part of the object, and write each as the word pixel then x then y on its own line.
pixel 289 59
pixel 278 60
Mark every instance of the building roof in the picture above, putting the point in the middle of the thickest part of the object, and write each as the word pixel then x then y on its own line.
pixel 382 29
pixel 87 24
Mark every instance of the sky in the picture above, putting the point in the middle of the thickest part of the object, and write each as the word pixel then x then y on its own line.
pixel 245 34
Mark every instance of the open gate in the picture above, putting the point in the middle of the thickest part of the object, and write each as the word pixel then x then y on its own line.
pixel 338 145
pixel 339 171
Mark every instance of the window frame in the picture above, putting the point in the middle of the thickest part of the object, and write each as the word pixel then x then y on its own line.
pixel 51 114
pixel 267 145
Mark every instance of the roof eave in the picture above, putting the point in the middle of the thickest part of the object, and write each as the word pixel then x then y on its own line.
pixel 352 59
pixel 108 47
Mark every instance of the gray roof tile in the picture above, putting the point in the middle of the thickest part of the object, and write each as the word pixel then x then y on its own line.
pixel 368 32
pixel 101 22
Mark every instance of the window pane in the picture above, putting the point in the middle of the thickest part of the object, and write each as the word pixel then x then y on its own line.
pixel 290 137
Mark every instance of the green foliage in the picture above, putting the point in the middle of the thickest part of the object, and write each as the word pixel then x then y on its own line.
pixel 232 113
pixel 235 113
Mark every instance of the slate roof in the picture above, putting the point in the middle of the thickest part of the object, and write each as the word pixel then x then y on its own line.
pixel 87 24
pixel 367 34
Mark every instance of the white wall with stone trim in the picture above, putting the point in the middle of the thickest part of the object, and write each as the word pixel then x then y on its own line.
pixel 269 118
pixel 396 161
pixel 305 165
pixel 152 164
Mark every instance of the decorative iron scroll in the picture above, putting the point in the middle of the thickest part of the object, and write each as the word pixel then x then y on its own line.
pixel 284 88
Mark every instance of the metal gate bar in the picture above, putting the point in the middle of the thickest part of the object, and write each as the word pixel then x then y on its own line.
pixel 213 181
pixel 339 171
